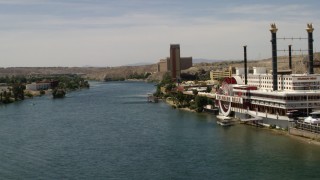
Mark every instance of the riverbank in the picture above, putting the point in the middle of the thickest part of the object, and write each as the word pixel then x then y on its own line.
pixel 273 131
pixel 172 104
pixel 299 138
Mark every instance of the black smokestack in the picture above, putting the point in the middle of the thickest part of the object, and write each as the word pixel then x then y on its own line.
pixel 290 57
pixel 245 65
pixel 310 47
pixel 274 56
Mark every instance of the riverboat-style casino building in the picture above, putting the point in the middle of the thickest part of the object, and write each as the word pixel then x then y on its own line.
pixel 271 96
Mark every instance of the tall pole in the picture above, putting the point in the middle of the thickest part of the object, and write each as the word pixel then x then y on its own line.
pixel 310 47
pixel 273 31
pixel 245 65
pixel 290 57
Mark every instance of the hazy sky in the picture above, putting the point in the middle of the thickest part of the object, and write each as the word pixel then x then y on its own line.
pixel 119 32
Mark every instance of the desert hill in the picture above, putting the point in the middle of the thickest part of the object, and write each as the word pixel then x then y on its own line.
pixel 122 72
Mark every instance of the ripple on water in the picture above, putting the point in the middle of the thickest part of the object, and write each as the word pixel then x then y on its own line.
pixel 110 132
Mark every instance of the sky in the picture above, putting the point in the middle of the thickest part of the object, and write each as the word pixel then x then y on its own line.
pixel 46 33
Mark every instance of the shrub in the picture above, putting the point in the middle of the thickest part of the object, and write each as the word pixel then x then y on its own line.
pixel 28 94
pixel 272 126
pixel 42 92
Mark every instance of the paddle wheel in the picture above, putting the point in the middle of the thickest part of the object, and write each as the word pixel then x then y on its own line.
pixel 226 89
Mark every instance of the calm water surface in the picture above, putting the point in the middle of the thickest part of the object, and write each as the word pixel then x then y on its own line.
pixel 110 132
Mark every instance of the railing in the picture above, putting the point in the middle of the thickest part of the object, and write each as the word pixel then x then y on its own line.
pixel 315 128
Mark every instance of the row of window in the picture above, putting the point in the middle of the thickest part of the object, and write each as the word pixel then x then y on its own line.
pixel 268 78
pixel 288 83
pixel 305 83
pixel 289 98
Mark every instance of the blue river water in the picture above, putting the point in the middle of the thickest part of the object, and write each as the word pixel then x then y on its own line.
pixel 110 132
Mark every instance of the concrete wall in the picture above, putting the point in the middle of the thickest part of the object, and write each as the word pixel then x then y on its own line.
pixel 307 134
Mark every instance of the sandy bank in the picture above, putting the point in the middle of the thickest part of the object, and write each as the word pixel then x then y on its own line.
pixel 171 103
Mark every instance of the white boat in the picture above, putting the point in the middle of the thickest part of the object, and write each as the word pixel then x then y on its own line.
pixel 224 120
pixel 314 118
pixel 225 123
pixel 211 109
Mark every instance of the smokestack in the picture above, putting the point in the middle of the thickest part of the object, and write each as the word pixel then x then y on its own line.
pixel 310 47
pixel 290 57
pixel 273 31
pixel 245 65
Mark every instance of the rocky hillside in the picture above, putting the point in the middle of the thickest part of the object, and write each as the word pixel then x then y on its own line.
pixel 93 73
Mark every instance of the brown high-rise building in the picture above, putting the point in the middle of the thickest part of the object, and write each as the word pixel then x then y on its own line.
pixel 175 61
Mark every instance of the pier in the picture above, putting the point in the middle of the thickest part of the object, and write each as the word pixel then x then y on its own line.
pixel 152 98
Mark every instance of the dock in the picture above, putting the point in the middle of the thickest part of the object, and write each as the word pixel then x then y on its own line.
pixel 152 98
pixel 251 119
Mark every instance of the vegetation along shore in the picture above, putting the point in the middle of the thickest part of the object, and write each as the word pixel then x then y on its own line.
pixel 17 88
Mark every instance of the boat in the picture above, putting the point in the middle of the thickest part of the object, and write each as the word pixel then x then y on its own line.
pixel 224 123
pixel 314 118
pixel 211 109
pixel 224 120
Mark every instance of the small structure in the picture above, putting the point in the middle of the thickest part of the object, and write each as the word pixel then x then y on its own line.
pixel 38 86
pixel 4 87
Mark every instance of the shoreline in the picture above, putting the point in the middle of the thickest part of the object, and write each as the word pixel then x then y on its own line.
pixel 274 131
pixel 172 104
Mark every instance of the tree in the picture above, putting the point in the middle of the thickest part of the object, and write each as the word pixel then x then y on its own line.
pixel 18 91
pixel 170 86
pixel 180 97
pixel 58 93
pixel 209 89
pixel 195 92
pixel 6 97
pixel 158 92
pixel 200 101
pixel 42 92
pixel 84 84
pixel 166 79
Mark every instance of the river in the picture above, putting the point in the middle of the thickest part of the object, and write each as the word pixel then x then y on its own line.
pixel 110 132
